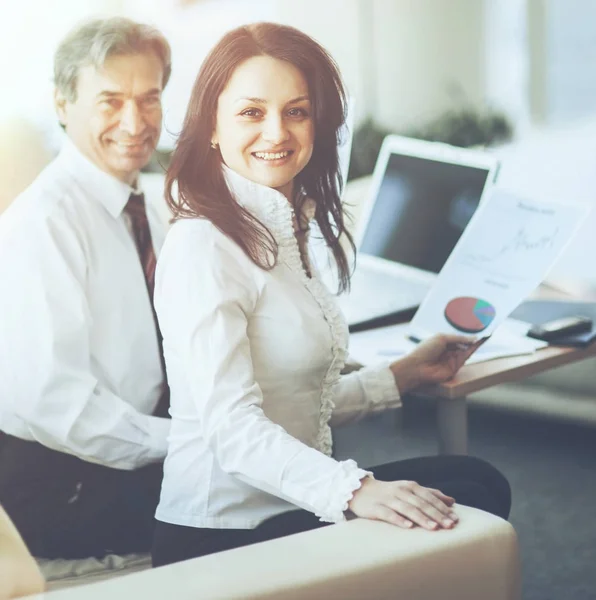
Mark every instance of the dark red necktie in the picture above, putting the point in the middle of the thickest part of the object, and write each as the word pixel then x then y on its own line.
pixel 135 209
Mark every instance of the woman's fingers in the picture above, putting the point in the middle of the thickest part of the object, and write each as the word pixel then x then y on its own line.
pixel 466 350
pixel 426 516
pixel 427 496
pixel 433 508
pixel 462 340
pixel 385 513
pixel 448 500
pixel 411 513
pixel 448 517
pixel 423 506
pixel 457 356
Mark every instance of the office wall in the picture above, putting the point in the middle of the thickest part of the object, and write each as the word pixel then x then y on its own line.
pixel 404 60
pixel 429 56
pixel 29 32
pixel 337 25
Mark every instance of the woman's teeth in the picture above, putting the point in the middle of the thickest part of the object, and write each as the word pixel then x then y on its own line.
pixel 272 155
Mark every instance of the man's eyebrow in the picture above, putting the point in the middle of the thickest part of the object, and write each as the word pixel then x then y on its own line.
pixel 108 94
pixel 111 94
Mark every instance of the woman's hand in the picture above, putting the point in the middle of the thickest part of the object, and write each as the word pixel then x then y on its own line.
pixel 403 503
pixel 433 361
pixel 19 573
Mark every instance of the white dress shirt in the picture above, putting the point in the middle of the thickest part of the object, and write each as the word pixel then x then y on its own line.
pixel 254 360
pixel 80 369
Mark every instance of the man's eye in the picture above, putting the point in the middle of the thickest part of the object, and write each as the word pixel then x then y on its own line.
pixel 111 103
pixel 151 101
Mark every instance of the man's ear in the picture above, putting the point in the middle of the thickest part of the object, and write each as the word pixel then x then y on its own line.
pixel 60 106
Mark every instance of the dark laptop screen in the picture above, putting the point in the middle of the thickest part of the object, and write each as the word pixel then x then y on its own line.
pixel 421 210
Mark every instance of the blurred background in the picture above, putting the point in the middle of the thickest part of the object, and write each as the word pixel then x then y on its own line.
pixel 473 71
pixel 515 76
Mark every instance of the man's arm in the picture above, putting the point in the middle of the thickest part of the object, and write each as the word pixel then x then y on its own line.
pixel 47 385
pixel 19 573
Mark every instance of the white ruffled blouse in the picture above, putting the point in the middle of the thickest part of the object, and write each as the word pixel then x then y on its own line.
pixel 254 360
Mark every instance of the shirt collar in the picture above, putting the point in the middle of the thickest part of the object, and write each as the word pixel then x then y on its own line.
pixel 102 186
pixel 268 205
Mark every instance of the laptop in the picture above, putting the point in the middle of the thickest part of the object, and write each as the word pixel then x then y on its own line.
pixel 422 196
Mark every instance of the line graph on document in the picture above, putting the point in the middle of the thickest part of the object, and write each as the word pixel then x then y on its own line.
pixel 508 257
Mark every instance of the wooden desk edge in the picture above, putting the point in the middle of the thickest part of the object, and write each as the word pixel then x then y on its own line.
pixel 480 376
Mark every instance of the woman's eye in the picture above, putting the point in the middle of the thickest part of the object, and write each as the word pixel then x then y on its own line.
pixel 251 112
pixel 298 112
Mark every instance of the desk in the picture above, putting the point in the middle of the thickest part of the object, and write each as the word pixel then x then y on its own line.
pixel 452 416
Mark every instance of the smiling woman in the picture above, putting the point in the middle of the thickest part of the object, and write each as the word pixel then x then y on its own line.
pixel 286 138
pixel 254 342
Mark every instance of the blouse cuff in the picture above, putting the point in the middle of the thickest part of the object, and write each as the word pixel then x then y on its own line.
pixel 346 481
pixel 380 387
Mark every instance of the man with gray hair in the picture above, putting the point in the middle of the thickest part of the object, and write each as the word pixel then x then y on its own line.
pixel 83 396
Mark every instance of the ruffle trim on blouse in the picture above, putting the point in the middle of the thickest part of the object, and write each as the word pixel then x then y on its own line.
pixel 347 480
pixel 274 211
pixel 290 255
pixel 339 345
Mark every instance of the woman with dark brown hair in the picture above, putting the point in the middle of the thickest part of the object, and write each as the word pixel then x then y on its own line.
pixel 254 342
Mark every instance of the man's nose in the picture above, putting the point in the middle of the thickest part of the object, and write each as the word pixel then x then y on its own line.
pixel 275 130
pixel 131 119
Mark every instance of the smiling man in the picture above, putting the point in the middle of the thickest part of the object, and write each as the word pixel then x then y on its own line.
pixel 83 396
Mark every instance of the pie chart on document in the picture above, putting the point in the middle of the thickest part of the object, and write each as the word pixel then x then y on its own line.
pixel 469 315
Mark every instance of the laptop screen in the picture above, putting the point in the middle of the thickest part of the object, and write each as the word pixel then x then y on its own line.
pixel 421 209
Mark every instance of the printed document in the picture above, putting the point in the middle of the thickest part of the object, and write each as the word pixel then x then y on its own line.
pixel 503 255
pixel 390 343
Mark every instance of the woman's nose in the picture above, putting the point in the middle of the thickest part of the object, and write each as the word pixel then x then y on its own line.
pixel 275 130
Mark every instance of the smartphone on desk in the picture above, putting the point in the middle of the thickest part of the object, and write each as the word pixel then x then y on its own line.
pixel 551 331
